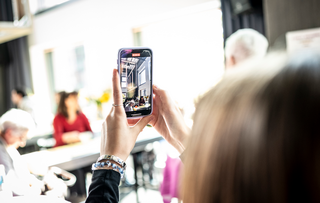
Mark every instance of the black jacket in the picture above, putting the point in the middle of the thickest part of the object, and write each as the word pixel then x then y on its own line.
pixel 104 187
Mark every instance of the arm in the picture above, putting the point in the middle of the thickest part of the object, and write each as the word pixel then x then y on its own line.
pixel 117 138
pixel 70 137
pixel 169 121
pixel 104 187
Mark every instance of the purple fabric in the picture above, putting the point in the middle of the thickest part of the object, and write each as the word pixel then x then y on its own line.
pixel 171 173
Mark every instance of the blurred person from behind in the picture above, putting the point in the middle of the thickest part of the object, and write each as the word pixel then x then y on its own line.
pixel 15 126
pixel 244 45
pixel 69 121
pixel 20 99
pixel 255 137
pixel 258 137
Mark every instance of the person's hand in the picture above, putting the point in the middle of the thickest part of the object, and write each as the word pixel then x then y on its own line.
pixel 168 120
pixel 118 137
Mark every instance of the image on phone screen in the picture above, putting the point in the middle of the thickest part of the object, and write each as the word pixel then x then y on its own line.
pixel 136 81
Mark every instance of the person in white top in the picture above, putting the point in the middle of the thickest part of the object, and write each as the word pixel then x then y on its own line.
pixel 15 126
pixel 244 45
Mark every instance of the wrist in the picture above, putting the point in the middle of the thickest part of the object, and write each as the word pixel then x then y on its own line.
pixel 106 166
pixel 180 141
pixel 122 157
pixel 177 145
pixel 107 157
pixel 184 137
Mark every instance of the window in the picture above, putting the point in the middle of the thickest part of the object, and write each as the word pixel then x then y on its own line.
pixel 66 66
pixel 142 76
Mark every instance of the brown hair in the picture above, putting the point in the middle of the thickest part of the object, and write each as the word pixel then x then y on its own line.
pixel 257 139
pixel 62 108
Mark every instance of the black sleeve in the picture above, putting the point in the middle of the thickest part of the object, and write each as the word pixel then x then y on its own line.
pixel 104 187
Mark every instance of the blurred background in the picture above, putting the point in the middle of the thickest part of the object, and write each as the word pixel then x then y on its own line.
pixel 51 46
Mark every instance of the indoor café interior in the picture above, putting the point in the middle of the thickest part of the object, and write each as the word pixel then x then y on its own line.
pixel 224 108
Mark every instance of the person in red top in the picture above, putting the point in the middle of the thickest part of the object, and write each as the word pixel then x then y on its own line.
pixel 69 121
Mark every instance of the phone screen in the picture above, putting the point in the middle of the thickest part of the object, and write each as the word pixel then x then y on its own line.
pixel 136 81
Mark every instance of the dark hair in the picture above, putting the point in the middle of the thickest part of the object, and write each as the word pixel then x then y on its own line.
pixel 258 139
pixel 62 108
pixel 20 92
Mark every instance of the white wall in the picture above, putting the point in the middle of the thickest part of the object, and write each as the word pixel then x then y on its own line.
pixel 186 36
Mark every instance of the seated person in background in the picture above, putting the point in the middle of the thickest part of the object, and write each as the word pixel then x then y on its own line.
pixel 69 121
pixel 243 45
pixel 129 106
pixel 142 101
pixel 20 99
pixel 15 125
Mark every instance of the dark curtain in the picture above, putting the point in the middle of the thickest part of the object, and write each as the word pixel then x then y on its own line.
pixel 232 23
pixel 14 62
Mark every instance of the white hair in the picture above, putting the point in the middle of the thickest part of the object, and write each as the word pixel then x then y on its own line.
pixel 18 121
pixel 246 44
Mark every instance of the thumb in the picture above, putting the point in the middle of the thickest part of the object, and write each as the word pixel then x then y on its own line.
pixel 142 123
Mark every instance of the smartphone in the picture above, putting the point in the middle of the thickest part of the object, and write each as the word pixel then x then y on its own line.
pixel 136 77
